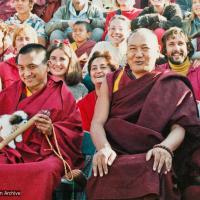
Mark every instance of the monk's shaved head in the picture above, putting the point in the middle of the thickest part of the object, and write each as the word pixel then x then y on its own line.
pixel 147 34
pixel 143 50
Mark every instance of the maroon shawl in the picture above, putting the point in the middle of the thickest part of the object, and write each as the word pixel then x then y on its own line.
pixel 85 48
pixel 141 115
pixel 31 168
pixel 8 72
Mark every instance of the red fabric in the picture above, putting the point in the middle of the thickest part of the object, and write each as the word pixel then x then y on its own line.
pixel 32 169
pixel 86 106
pixel 133 128
pixel 85 48
pixel 46 9
pixel 193 75
pixel 192 193
pixel 129 14
pixel 8 72
pixel 9 51
pixel 159 33
pixel 6 9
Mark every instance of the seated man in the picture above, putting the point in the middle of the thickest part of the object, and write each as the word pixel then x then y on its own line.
pixel 178 50
pixel 33 167
pixel 139 122
pixel 60 26
pixel 23 15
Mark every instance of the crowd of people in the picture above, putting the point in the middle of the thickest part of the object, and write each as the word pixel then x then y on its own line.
pixel 125 71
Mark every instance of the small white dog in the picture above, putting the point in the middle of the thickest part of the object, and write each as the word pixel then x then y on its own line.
pixel 8 123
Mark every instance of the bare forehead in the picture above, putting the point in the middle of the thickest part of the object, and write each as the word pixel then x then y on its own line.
pixel 176 37
pixel 33 57
pixel 142 39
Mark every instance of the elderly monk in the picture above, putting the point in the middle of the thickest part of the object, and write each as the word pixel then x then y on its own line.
pixel 32 168
pixel 140 124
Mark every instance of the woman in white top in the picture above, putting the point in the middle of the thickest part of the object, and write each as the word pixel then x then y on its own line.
pixel 118 32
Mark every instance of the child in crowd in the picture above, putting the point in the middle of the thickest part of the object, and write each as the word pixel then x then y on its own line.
pixel 63 63
pixel 83 44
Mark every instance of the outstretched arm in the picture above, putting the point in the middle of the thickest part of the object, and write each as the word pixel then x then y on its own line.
pixel 105 155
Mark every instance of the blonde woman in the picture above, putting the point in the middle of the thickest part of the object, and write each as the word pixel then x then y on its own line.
pixel 191 26
pixel 23 35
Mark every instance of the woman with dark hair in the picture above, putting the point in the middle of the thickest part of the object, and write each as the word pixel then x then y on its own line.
pixel 99 65
pixel 64 64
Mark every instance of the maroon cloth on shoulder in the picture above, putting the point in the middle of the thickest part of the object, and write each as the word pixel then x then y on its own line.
pixel 8 72
pixel 31 168
pixel 45 11
pixel 193 75
pixel 137 121
pixel 85 48
pixel 6 9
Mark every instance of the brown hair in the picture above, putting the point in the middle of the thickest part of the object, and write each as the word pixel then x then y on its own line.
pixel 105 55
pixel 177 31
pixel 74 73
pixel 25 28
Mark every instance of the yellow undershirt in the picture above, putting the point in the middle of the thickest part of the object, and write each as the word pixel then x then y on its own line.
pixel 181 68
pixel 117 81
pixel 28 92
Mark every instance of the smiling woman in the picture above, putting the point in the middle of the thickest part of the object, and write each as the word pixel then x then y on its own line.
pixel 23 35
pixel 63 63
pixel 100 64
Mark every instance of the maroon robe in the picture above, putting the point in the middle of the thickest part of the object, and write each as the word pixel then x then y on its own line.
pixel 32 168
pixel 8 72
pixel 85 48
pixel 141 114
pixel 193 75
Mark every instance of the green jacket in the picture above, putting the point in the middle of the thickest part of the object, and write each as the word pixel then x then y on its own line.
pixel 62 15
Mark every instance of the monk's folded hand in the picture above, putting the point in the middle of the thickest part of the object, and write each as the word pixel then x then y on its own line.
pixel 102 159
pixel 44 124
pixel 162 158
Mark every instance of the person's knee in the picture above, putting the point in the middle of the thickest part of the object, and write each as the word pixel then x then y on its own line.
pixel 57 34
pixel 97 34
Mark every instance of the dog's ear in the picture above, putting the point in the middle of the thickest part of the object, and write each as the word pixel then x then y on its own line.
pixel 15 119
